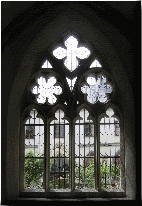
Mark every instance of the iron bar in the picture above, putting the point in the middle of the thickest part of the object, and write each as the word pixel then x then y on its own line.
pixel 84 148
pixel 105 174
pixel 64 153
pixel 79 153
pixel 107 123
pixel 34 132
pixel 88 123
pixel 59 148
pixel 39 138
pixel 46 177
pixel 54 153
pixel 109 156
pixel 34 157
pixel 110 165
pixel 34 124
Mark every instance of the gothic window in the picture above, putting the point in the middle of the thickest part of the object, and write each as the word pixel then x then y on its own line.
pixel 72 144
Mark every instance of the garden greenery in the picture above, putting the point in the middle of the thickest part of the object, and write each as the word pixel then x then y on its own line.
pixel 34 174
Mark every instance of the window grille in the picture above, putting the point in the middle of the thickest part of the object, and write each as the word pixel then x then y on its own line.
pixel 59 152
pixel 34 152
pixel 84 145
pixel 110 151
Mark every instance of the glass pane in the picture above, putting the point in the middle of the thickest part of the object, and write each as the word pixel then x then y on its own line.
pixel 59 150
pixel 109 133
pixel 34 119
pixel 71 83
pixel 59 146
pixel 77 135
pixel 84 153
pixel 95 63
pixel 59 114
pixel 46 90
pixel 34 141
pixel 34 171
pixel 46 64
pixel 84 174
pixel 96 90
pixel 84 114
pixel 59 173
pixel 72 53
pixel 110 173
pixel 112 151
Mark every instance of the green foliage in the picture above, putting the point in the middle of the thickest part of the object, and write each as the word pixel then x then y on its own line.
pixel 89 174
pixel 33 171
pixel 88 179
pixel 106 176
pixel 86 176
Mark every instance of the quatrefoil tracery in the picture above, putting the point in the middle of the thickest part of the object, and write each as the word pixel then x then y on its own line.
pixel 71 53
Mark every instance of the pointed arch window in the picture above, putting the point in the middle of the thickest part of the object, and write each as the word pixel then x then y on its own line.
pixel 110 163
pixel 72 144
pixel 85 162
pixel 59 152
pixel 34 152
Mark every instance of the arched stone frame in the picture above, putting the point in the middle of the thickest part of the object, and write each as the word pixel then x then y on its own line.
pixel 117 114
pixel 24 117
pixel 22 77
